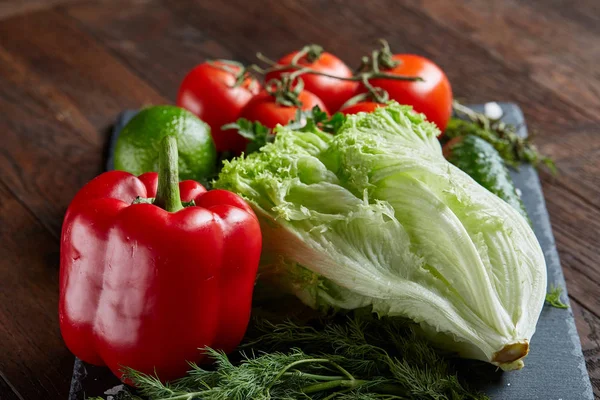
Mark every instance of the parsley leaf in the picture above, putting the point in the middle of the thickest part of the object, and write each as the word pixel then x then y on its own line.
pixel 305 120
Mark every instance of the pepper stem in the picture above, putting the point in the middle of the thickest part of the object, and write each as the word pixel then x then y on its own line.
pixel 167 195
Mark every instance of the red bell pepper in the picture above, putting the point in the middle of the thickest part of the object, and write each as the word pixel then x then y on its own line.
pixel 147 285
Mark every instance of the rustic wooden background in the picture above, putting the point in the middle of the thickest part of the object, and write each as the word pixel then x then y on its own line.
pixel 67 68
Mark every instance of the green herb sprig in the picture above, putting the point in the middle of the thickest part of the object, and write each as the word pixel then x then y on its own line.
pixel 553 297
pixel 513 148
pixel 347 358
pixel 259 135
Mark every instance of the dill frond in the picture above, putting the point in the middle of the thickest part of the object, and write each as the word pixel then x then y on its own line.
pixel 352 357
pixel 553 297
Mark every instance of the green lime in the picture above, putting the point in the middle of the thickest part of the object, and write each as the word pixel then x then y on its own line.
pixel 139 142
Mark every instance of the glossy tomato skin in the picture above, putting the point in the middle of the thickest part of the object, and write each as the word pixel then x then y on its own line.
pixel 266 110
pixel 363 106
pixel 208 92
pixel 333 92
pixel 432 97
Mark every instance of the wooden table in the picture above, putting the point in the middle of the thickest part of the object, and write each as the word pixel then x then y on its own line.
pixel 68 68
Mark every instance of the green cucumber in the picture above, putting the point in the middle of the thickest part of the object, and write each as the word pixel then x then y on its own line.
pixel 484 164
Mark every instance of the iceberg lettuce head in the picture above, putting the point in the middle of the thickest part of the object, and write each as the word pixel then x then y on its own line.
pixel 376 217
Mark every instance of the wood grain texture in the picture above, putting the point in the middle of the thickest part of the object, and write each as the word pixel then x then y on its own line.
pixel 62 90
pixel 34 359
pixel 67 70
pixel 10 8
pixel 588 326
pixel 532 38
pixel 150 39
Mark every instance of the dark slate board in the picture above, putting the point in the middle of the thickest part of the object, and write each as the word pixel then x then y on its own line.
pixel 554 369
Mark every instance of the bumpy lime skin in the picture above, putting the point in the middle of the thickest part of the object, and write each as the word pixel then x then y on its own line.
pixel 138 143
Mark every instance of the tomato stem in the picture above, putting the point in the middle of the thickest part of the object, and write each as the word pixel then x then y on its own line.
pixel 240 72
pixel 369 69
pixel 264 59
pixel 312 52
pixel 287 89
pixel 284 90
pixel 301 69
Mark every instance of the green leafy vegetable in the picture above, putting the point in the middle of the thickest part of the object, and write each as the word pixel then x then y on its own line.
pixel 305 120
pixel 257 134
pixel 513 148
pixel 309 119
pixel 376 217
pixel 553 297
pixel 344 358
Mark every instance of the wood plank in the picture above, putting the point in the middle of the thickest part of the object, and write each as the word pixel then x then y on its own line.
pixel 557 53
pixel 10 8
pixel 34 359
pixel 150 39
pixel 36 138
pixel 585 13
pixel 62 91
pixel 9 392
pixel 55 49
pixel 579 173
pixel 577 157
pixel 576 223
pixel 588 326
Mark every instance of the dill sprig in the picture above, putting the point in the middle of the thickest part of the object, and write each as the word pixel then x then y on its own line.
pixel 553 297
pixel 386 347
pixel 358 357
pixel 513 148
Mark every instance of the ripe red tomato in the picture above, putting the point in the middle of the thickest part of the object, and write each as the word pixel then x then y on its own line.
pixel 266 110
pixel 333 92
pixel 432 97
pixel 208 91
pixel 363 106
